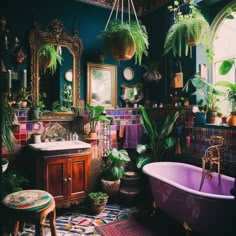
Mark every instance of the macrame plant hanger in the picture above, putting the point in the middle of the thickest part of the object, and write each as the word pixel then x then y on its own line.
pixel 116 44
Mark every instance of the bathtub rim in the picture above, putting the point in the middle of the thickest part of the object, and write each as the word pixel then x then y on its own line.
pixel 181 187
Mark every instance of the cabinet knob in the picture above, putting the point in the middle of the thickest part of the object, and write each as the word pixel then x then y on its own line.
pixel 69 179
pixel 65 180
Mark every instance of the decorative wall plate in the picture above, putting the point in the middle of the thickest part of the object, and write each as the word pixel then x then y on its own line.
pixel 128 73
pixel 69 75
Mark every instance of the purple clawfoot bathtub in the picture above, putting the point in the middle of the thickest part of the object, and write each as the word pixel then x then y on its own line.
pixel 210 211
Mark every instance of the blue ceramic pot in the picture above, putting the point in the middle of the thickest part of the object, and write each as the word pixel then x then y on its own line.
pixel 200 118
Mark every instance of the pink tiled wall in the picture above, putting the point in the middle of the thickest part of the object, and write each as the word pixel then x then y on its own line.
pixel 198 135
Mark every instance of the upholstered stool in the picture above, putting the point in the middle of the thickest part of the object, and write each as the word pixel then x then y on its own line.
pixel 31 206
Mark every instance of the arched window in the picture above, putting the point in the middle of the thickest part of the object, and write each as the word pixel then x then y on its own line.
pixel 224 29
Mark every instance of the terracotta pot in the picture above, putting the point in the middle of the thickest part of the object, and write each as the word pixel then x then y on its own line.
pixel 191 41
pixel 92 135
pixel 24 104
pixel 210 117
pixel 97 208
pixel 120 48
pixel 232 120
pixel 110 187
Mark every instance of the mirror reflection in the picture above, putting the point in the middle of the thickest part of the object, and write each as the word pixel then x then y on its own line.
pixel 53 54
pixel 53 88
pixel 132 93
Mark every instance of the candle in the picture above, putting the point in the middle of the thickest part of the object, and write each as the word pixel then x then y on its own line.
pixel 24 79
pixel 9 79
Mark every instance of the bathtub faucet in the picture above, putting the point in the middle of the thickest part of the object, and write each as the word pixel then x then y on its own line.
pixel 212 155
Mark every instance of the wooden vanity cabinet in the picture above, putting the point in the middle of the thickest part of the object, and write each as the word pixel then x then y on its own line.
pixel 66 177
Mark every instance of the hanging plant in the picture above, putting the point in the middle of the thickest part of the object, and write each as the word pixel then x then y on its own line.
pixel 191 28
pixel 49 58
pixel 125 39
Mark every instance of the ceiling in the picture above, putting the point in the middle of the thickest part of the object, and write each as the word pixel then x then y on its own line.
pixel 142 7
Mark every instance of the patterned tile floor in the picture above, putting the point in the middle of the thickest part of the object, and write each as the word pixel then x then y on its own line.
pixel 79 222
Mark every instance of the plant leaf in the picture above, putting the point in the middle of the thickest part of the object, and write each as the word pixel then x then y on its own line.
pixel 225 67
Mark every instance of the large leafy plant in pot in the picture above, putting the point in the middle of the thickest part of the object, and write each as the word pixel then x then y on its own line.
pixel 126 39
pixel 114 170
pixel 160 137
pixel 189 29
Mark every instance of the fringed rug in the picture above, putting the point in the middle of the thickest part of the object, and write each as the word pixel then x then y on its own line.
pixel 78 223
pixel 127 227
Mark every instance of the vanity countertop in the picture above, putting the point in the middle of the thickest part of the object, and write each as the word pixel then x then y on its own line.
pixel 61 146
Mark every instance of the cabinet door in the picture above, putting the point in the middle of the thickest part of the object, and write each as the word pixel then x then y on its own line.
pixel 78 175
pixel 55 178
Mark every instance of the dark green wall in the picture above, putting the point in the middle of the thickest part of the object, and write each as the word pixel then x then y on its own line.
pixel 88 19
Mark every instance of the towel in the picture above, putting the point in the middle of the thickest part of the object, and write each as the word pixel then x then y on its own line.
pixel 133 135
pixel 121 131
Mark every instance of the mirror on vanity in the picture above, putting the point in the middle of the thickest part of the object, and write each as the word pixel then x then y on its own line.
pixel 57 86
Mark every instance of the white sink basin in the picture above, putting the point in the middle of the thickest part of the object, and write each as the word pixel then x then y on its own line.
pixel 60 145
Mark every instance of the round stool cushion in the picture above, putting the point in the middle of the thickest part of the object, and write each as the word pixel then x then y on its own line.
pixel 31 200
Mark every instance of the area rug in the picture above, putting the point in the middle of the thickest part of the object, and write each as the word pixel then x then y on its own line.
pixel 81 223
pixel 126 227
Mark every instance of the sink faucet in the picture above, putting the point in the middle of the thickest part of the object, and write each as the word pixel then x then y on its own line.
pixel 212 155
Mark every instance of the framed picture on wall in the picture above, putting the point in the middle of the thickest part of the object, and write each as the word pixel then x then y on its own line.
pixel 102 85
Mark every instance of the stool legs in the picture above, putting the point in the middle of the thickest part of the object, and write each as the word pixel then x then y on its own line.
pixel 15 227
pixel 52 221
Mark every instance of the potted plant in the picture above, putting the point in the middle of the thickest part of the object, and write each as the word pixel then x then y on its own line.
pixel 95 114
pixel 152 74
pixel 125 40
pixel 114 170
pixel 230 95
pixel 98 201
pixel 25 97
pixel 160 137
pixel 191 28
pixel 49 58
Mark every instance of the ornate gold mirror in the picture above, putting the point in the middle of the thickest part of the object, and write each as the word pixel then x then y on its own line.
pixel 49 84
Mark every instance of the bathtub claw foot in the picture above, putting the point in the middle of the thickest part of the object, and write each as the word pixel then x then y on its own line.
pixel 187 228
pixel 154 208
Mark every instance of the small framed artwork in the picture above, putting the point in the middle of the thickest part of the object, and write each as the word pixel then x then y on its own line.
pixel 102 85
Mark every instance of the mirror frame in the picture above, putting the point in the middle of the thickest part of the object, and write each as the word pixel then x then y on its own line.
pixel 57 35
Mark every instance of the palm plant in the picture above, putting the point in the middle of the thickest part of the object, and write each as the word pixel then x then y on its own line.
pixel 191 26
pixel 49 57
pixel 126 39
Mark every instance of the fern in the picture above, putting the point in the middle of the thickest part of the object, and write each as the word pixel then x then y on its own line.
pixel 190 25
